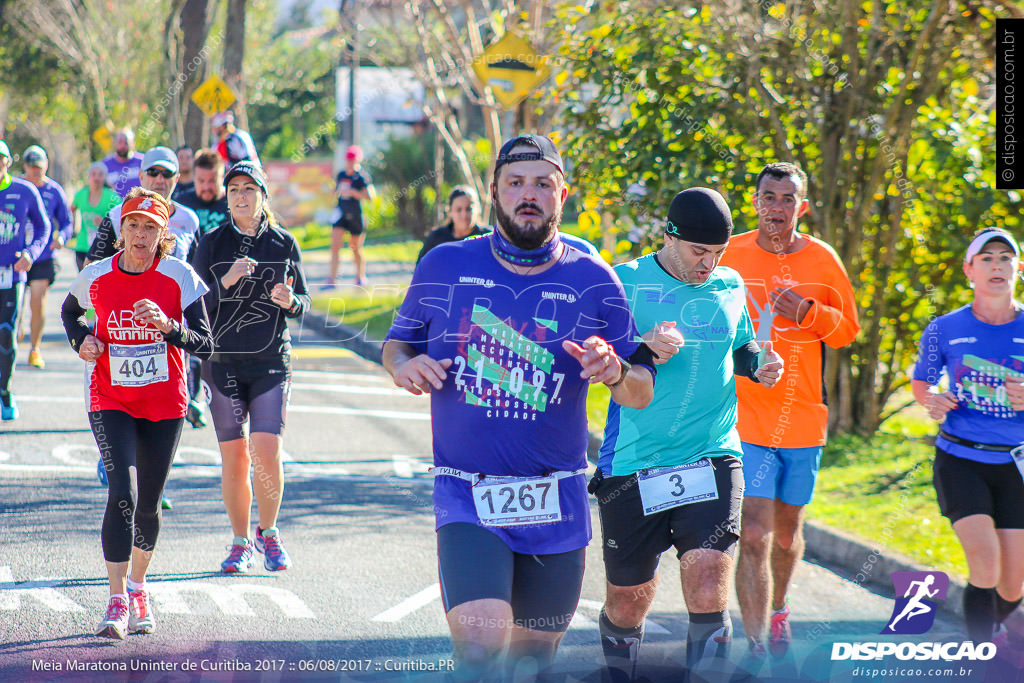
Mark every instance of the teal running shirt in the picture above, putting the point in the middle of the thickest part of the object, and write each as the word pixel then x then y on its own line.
pixel 693 413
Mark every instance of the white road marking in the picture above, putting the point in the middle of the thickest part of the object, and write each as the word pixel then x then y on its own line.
pixel 406 466
pixel 384 414
pixel 651 627
pixel 204 453
pixel 28 398
pixel 410 604
pixel 342 376
pixel 350 389
pixel 229 599
pixel 581 623
pixel 4 455
pixel 39 589
pixel 63 453
pixel 323 410
pixel 47 469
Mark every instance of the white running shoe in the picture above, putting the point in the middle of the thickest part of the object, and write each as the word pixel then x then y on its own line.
pixel 115 623
pixel 140 613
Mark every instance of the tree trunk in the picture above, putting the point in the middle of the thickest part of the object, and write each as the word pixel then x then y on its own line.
pixel 234 55
pixel 439 200
pixel 169 105
pixel 195 28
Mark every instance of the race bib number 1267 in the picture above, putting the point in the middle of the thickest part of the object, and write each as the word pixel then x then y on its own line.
pixel 517 501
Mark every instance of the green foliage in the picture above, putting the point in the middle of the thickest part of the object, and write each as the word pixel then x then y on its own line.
pixel 291 93
pixel 879 104
pixel 405 168
pixel 894 472
pixel 371 313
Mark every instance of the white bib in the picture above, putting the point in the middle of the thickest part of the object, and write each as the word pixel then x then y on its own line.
pixel 138 365
pixel 516 501
pixel 670 487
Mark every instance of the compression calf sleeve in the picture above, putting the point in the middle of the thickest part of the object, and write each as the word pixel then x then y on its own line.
pixel 621 646
pixel 1004 607
pixel 979 612
pixel 709 636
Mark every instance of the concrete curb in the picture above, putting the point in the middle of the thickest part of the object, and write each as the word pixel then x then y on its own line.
pixel 870 565
pixel 343 335
pixel 867 565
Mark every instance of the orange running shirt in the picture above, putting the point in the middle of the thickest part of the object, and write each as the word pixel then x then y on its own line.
pixel 792 414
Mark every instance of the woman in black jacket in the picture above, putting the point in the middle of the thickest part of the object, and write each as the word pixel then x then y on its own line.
pixel 463 218
pixel 254 271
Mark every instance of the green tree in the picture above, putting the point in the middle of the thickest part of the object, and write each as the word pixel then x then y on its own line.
pixel 883 104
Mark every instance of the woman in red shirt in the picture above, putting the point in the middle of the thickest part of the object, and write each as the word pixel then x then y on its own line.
pixel 149 311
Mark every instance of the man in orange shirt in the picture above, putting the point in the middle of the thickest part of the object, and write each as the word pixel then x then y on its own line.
pixel 799 297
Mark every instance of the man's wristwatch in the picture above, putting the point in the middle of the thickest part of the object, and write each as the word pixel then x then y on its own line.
pixel 622 375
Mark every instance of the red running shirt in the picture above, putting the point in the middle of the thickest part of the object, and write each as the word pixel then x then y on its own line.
pixel 139 373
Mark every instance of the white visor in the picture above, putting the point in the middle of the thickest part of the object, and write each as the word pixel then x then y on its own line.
pixel 979 242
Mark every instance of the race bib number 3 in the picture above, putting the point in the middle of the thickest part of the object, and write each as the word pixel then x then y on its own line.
pixel 516 502
pixel 137 366
pixel 670 487
pixel 6 277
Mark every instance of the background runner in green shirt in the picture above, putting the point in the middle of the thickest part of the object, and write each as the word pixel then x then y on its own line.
pixel 93 202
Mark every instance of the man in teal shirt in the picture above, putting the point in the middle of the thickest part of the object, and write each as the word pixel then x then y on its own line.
pixel 671 474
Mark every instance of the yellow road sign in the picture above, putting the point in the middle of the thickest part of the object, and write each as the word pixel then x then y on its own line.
pixel 512 68
pixel 104 137
pixel 213 96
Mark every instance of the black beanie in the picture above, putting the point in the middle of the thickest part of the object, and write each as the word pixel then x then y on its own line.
pixel 699 215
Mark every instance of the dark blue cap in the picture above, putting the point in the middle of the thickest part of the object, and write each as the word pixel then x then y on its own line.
pixel 248 168
pixel 545 151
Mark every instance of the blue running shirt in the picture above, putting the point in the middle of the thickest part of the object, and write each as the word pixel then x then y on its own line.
pixel 513 402
pixel 976 358
pixel 693 414
pixel 24 226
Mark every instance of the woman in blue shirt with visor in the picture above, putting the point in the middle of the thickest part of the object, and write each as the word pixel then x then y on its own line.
pixel 979 451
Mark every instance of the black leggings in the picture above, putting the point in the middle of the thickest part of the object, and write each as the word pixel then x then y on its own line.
pixel 132 517
pixel 10 300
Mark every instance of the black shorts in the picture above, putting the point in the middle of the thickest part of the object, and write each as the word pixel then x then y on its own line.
pixel 44 270
pixel 248 392
pixel 968 487
pixel 353 222
pixel 543 590
pixel 633 543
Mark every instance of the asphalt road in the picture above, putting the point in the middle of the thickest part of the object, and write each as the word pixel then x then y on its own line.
pixel 362 597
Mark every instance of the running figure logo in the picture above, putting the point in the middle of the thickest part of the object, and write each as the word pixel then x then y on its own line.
pixel 914 612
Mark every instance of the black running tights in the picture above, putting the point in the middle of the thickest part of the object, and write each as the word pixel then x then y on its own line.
pixel 132 517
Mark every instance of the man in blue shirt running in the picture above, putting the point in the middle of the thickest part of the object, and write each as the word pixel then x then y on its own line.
pixel 506 332
pixel 671 474
pixel 44 269
pixel 21 215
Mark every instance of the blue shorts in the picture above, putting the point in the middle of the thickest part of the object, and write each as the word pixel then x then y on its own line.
pixel 787 474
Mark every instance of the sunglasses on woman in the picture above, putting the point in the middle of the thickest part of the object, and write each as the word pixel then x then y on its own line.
pixel 163 172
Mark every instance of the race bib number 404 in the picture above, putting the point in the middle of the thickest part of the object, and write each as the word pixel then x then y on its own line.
pixel 136 366
pixel 670 487
pixel 514 501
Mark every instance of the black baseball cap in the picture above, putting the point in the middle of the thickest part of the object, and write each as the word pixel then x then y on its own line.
pixel 248 168
pixel 545 151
